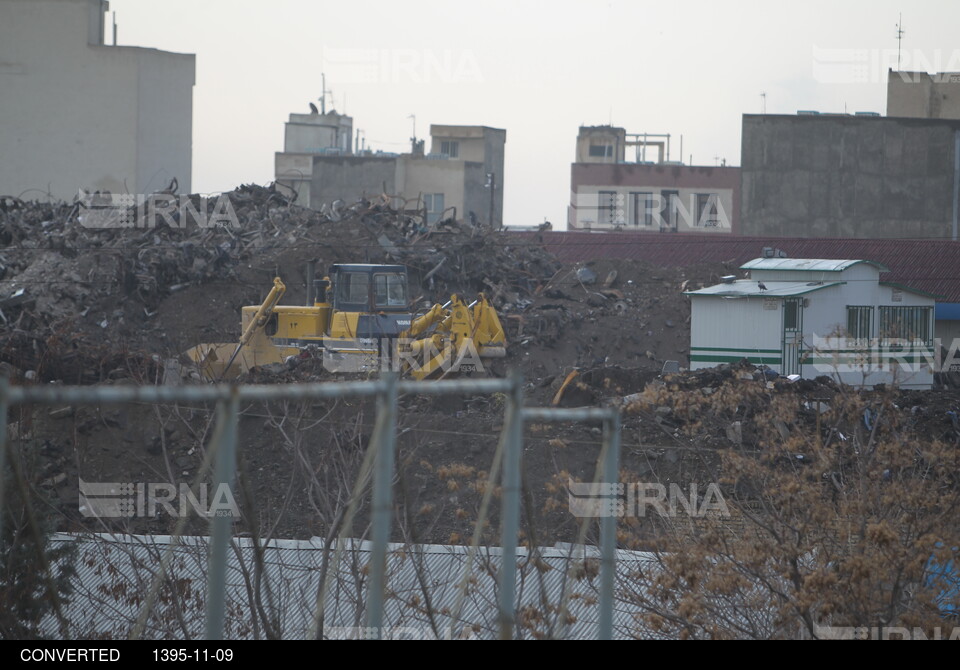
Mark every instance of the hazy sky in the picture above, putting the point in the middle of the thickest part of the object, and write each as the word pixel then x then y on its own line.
pixel 537 69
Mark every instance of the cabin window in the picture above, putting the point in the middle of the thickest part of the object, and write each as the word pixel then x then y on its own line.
pixel 354 288
pixel 389 290
pixel 912 324
pixel 859 323
pixel 790 308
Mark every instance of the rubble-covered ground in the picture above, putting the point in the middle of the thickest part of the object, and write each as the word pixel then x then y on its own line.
pixel 85 306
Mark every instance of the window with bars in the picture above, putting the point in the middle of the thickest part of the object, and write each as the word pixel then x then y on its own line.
pixel 859 323
pixel 607 207
pixel 906 323
pixel 642 214
pixel 601 150
pixel 670 200
pixel 707 210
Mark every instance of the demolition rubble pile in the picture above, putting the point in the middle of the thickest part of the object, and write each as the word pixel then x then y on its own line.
pixel 124 296
pixel 743 405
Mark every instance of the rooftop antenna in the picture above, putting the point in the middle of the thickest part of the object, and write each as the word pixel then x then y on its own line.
pixel 114 29
pixel 323 93
pixel 763 102
pixel 413 140
pixel 899 39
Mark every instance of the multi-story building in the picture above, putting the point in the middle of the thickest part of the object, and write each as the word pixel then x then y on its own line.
pixel 77 113
pixel 839 175
pixel 623 181
pixel 924 96
pixel 858 175
pixel 461 177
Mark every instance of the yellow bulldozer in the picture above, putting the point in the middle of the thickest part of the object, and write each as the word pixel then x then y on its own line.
pixel 362 323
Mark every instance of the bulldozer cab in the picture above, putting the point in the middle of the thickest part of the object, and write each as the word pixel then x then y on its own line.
pixel 369 288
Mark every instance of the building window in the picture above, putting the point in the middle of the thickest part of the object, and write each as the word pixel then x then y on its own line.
pixel 433 203
pixel 642 204
pixel 669 214
pixel 906 323
pixel 450 148
pixel 607 208
pixel 707 210
pixel 601 151
pixel 859 324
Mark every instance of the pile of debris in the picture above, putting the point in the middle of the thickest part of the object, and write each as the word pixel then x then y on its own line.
pixel 136 278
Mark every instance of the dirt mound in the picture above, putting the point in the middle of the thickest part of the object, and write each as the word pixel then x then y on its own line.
pixel 161 289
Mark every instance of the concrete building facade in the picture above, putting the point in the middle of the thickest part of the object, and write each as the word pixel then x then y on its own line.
pixel 923 96
pixel 819 175
pixel 623 181
pixel 77 113
pixel 461 177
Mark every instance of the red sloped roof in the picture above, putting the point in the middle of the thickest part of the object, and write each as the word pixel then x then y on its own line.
pixel 927 265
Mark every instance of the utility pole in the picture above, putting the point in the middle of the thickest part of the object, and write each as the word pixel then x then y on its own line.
pixel 492 185
pixel 323 93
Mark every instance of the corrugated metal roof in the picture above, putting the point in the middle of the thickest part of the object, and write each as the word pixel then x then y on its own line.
pixel 806 264
pixel 928 265
pixel 114 574
pixel 743 288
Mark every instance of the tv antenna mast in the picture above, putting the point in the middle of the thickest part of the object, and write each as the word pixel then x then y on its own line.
pixel 323 94
pixel 900 32
pixel 763 102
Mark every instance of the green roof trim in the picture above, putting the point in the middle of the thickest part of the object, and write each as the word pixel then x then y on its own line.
pixel 902 287
pixel 807 264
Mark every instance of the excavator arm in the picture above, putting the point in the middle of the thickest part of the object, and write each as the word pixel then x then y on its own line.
pixel 452 338
pixel 258 321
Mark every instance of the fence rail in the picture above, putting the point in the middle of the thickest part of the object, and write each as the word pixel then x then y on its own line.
pixel 382 448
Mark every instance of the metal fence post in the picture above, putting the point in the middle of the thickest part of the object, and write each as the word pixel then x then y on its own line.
pixel 4 404
pixel 220 526
pixel 510 516
pixel 608 527
pixel 382 512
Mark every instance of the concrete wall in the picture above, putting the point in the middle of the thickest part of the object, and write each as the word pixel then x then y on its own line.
pixel 483 146
pixel 920 95
pixel 608 136
pixel 589 179
pixel 846 176
pixel 77 114
pixel 461 181
pixel 417 176
pixel 947 332
pixel 164 117
pixel 312 133
pixel 350 178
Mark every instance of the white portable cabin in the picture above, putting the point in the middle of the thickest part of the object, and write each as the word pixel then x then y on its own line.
pixel 813 317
